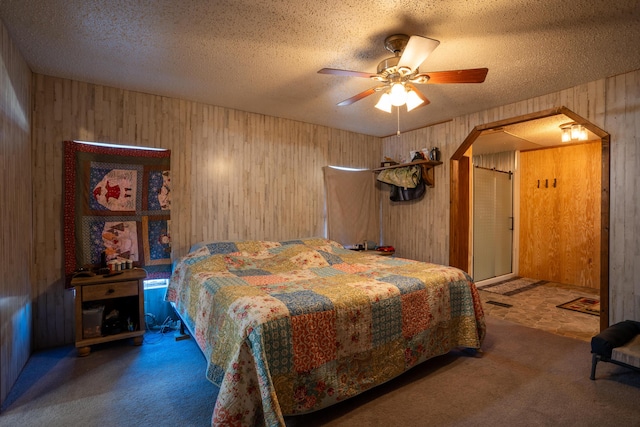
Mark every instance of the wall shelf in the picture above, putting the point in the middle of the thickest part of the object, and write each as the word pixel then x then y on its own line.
pixel 426 165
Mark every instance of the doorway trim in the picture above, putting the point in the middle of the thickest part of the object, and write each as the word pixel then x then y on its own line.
pixel 460 244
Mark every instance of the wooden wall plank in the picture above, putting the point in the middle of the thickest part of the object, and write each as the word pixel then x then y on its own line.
pixel 235 175
pixel 16 243
pixel 419 229
pixel 625 222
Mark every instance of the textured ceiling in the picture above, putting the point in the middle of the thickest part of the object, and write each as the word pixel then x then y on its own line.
pixel 262 56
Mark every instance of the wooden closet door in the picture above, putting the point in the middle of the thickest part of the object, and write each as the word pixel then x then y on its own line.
pixel 560 214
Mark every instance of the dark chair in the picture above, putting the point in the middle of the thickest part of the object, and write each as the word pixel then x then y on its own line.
pixel 619 344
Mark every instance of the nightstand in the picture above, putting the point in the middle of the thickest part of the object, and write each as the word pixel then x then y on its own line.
pixel 98 298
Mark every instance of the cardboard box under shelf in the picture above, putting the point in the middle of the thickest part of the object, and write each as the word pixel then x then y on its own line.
pixel 92 321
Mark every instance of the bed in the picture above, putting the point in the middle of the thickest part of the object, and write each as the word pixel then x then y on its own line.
pixel 291 327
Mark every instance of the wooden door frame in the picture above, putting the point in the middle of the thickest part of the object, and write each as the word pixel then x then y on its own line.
pixel 459 225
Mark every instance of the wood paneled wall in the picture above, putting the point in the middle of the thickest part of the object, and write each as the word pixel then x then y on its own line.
pixel 241 175
pixel 15 213
pixel 622 121
pixel 560 214
pixel 235 175
pixel 613 104
pixel 419 229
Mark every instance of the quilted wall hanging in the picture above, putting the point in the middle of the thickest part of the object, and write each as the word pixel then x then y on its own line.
pixel 117 205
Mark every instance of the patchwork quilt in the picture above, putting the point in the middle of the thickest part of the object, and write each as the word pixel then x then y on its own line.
pixel 292 327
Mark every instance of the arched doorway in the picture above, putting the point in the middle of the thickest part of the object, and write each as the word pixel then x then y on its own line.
pixel 460 244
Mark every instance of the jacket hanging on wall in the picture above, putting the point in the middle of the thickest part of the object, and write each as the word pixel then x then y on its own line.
pixel 406 183
pixel 401 194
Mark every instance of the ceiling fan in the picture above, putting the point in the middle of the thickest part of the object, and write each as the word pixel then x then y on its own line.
pixel 399 74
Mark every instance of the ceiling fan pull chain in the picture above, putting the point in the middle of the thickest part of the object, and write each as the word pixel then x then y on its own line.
pixel 398 111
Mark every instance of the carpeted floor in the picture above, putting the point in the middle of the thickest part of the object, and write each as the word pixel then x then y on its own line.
pixel 523 376
pixel 160 383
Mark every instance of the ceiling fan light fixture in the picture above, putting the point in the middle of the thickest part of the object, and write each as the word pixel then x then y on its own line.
pixel 399 73
pixel 404 71
pixel 384 103
pixel 398 94
pixel 413 100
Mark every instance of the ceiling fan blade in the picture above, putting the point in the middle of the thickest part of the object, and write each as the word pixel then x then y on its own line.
pixel 417 50
pixel 346 73
pixel 359 96
pixel 425 101
pixel 474 75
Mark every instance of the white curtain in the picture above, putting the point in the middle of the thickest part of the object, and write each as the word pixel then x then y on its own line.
pixel 352 207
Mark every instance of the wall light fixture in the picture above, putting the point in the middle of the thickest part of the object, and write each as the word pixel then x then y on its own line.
pixel 573 132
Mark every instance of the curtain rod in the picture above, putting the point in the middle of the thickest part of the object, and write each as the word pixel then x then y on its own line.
pixel 492 169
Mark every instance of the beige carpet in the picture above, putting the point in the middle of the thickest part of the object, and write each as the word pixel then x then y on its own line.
pixel 523 377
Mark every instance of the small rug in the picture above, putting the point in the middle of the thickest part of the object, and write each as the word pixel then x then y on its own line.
pixel 513 286
pixel 583 305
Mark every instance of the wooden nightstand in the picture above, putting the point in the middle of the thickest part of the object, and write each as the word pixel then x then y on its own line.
pixel 97 297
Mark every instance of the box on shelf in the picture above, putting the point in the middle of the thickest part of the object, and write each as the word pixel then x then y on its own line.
pixel 92 321
pixel 388 163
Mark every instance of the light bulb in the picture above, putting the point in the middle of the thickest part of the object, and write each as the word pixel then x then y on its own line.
pixel 583 134
pixel 384 103
pixel 398 94
pixel 413 100
pixel 575 132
